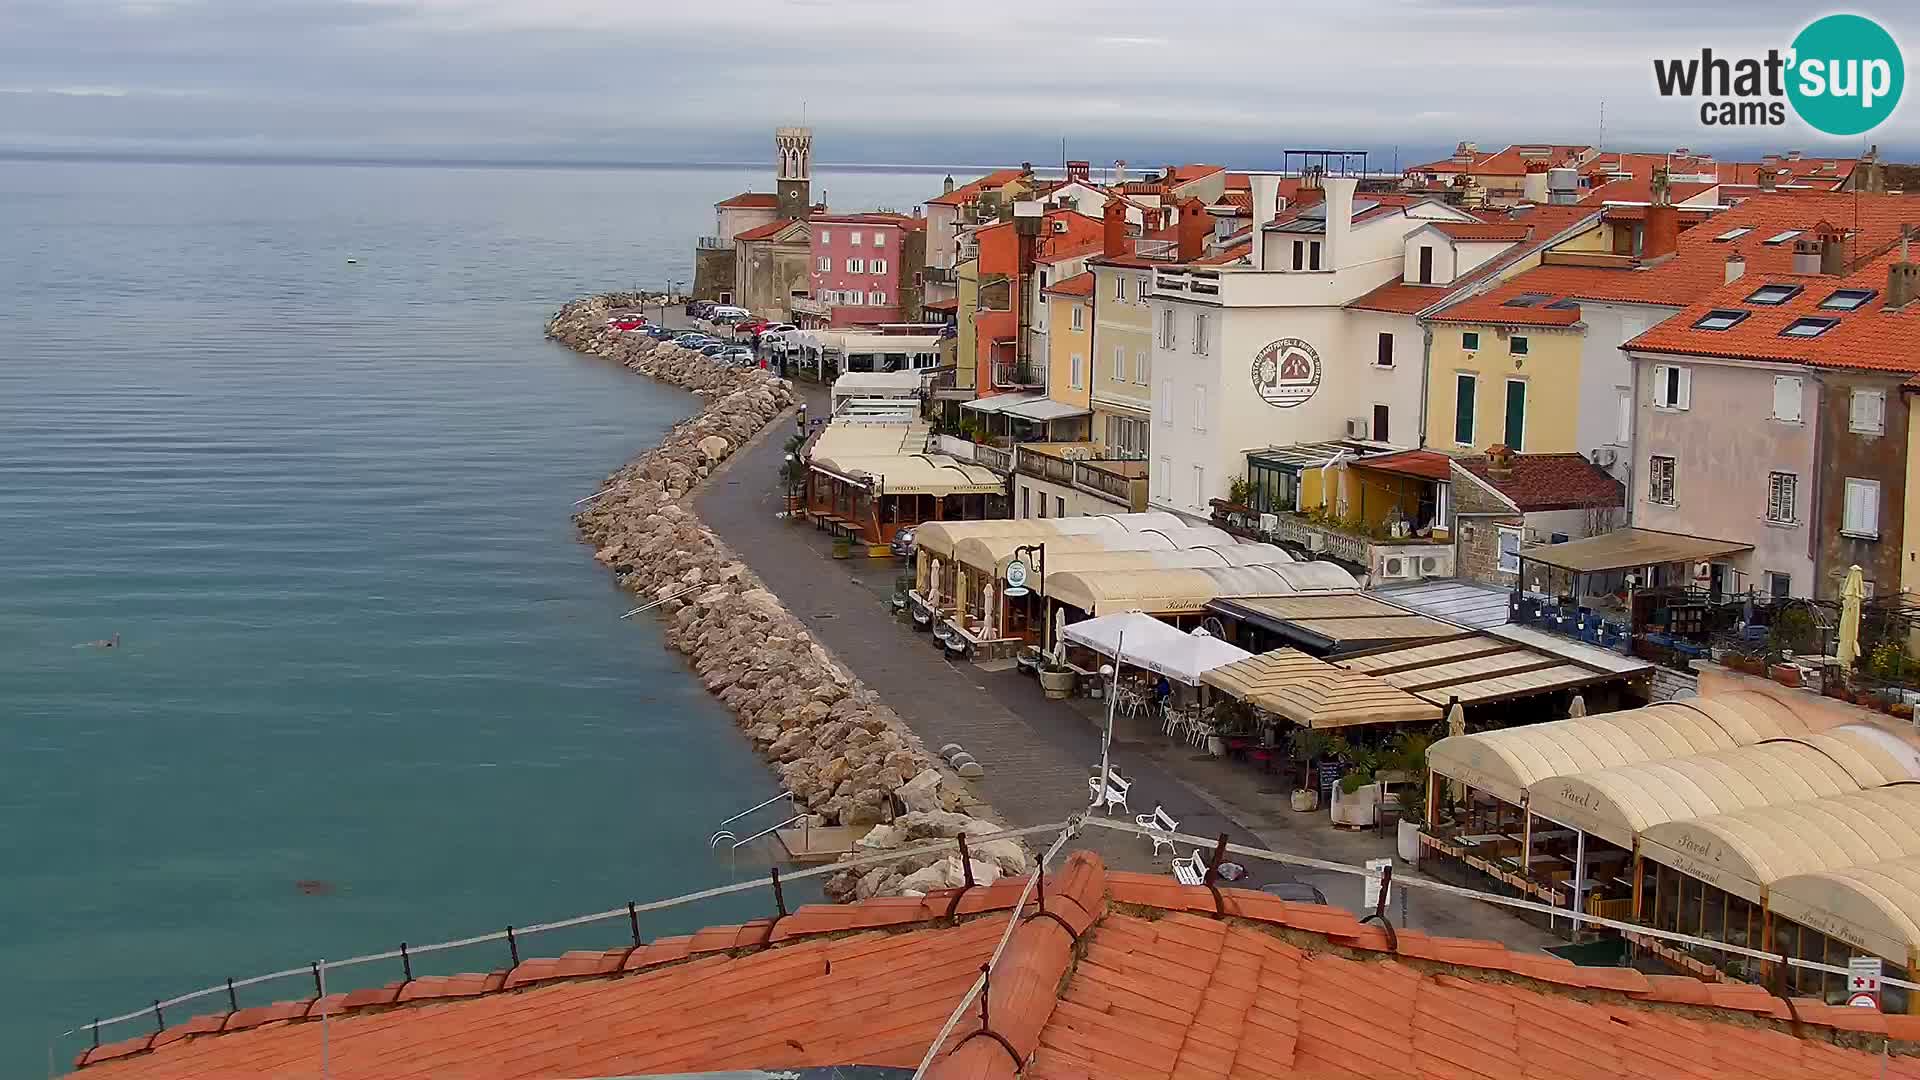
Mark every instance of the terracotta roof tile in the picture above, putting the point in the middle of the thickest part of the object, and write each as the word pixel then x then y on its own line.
pixel 971 190
pixel 752 200
pixel 1080 284
pixel 1639 189
pixel 764 232
pixel 1540 482
pixel 1173 992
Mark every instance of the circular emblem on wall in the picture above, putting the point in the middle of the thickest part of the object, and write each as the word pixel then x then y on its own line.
pixel 1286 373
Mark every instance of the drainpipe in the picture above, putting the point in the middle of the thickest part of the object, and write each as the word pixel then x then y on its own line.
pixel 1819 488
pixel 1426 375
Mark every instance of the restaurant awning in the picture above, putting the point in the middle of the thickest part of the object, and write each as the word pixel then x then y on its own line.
pixel 1620 803
pixel 1874 908
pixel 992 553
pixel 1627 549
pixel 1313 693
pixel 915 474
pixel 1324 623
pixel 938 538
pixel 1506 763
pixel 1145 642
pixel 1477 668
pixel 1046 409
pixel 1143 551
pixel 1000 402
pixel 1745 851
pixel 1164 591
pixel 1419 464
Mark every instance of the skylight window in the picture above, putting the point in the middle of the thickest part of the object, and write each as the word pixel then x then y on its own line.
pixel 1731 234
pixel 1809 326
pixel 1782 237
pixel 1719 319
pixel 1525 299
pixel 1565 303
pixel 1847 299
pixel 1773 295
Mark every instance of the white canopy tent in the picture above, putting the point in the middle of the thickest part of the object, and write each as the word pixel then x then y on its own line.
pixel 1146 642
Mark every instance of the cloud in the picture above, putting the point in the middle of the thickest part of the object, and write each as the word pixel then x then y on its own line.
pixel 877 79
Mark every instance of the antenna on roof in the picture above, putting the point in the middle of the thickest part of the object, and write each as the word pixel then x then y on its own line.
pixel 1603 124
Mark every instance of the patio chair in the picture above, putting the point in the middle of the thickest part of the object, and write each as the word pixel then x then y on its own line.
pixel 1160 828
pixel 1190 870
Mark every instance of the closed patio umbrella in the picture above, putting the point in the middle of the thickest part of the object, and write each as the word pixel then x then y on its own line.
pixel 1851 594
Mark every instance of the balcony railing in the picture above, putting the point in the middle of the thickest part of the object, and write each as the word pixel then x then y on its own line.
pixel 1000 461
pixel 1008 374
pixel 1131 490
pixel 938 275
pixel 714 243
pixel 1112 484
pixel 801 305
pixel 1162 250
pixel 1045 466
pixel 1386 559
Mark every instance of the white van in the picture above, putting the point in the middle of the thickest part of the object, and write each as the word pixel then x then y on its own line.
pixel 728 314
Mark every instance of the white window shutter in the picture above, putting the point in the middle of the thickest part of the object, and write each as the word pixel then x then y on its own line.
pixel 1659 384
pixel 1685 390
pixel 1870 508
pixel 1786 398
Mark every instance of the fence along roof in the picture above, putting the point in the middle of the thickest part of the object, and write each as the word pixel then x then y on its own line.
pixel 1506 763
pixel 1102 592
pixel 1620 803
pixel 938 538
pixel 1313 693
pixel 1875 908
pixel 1748 850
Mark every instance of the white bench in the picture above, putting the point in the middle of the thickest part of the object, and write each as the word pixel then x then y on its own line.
pixel 1115 791
pixel 1160 828
pixel 1190 870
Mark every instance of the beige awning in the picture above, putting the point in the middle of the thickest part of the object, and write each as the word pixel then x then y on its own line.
pixel 1620 803
pixel 1506 763
pixel 1478 668
pixel 1149 556
pixel 1323 621
pixel 854 437
pixel 1166 591
pixel 1746 851
pixel 938 538
pixel 1313 693
pixel 916 474
pixel 1626 549
pixel 1873 908
pixel 993 553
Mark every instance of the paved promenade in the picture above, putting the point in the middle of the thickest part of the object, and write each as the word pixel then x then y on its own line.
pixel 1037 753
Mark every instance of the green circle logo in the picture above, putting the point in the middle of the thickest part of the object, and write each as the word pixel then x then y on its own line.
pixel 1847 74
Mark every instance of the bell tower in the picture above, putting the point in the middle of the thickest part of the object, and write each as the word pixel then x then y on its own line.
pixel 793 149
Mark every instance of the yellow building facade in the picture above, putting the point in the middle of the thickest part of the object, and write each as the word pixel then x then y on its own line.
pixel 1070 348
pixel 1514 385
pixel 1121 359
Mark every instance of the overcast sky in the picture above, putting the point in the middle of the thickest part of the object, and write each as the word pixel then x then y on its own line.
pixel 879 80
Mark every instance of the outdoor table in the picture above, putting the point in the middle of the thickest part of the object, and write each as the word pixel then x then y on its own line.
pixel 1480 838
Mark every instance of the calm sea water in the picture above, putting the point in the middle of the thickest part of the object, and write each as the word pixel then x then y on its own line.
pixel 326 508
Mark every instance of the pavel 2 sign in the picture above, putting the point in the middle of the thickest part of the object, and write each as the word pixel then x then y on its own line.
pixel 1286 373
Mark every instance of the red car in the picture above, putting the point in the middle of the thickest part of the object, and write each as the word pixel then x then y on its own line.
pixel 628 323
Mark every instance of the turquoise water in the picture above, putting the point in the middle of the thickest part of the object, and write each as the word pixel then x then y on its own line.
pixel 325 505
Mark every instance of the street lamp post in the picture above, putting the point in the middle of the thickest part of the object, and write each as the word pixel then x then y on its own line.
pixel 1039 552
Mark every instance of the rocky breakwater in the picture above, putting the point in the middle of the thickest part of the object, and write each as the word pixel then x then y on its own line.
pixel 845 755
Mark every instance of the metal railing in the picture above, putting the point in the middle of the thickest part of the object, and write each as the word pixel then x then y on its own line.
pixel 1011 373
pixel 714 243
pixel 938 275
pixel 1000 461
pixel 1063 831
pixel 1164 250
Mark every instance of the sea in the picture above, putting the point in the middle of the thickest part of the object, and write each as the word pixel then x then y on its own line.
pixel 292 433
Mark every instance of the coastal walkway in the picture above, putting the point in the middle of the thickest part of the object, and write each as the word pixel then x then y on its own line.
pixel 1036 752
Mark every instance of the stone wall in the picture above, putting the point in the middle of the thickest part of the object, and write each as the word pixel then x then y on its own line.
pixel 843 753
pixel 713 274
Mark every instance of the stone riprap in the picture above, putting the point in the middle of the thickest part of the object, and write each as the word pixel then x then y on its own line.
pixel 841 751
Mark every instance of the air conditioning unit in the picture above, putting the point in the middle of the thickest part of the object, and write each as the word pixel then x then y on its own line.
pixel 1316 542
pixel 1605 456
pixel 1356 427
pixel 1060 226
pixel 1429 566
pixel 1393 567
pixel 1269 523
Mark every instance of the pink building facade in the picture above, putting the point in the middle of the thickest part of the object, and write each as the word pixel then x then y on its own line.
pixel 856 266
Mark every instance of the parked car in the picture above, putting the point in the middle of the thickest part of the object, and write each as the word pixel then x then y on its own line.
pixel 714 349
pixel 738 356
pixel 661 333
pixel 902 544
pixel 729 314
pixel 629 326
pixel 688 337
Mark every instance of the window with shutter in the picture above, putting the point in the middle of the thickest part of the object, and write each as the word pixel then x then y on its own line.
pixel 1199 407
pixel 1786 398
pixel 1868 412
pixel 1385 356
pixel 1783 491
pixel 1119 363
pixel 1464 389
pixel 1624 435
pixel 1862 511
pixel 1140 367
pixel 1660 480
pixel 1166 403
pixel 1509 549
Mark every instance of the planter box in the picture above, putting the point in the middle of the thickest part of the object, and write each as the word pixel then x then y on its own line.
pixel 1785 674
pixel 1058 684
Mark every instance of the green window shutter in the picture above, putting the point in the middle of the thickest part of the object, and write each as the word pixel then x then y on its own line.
pixel 1516 414
pixel 1464 387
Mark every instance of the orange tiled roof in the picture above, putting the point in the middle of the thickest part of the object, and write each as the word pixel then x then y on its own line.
pixel 1639 189
pixel 752 200
pixel 1402 297
pixel 1229 254
pixel 764 232
pixel 1080 284
pixel 971 190
pixel 1078 251
pixel 1530 230
pixel 1183 174
pixel 1542 482
pixel 872 217
pixel 1868 338
pixel 1507 162
pixel 1239 182
pixel 1698 265
pixel 1125 975
pixel 1239 200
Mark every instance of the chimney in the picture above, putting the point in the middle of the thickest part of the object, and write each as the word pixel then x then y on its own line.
pixel 1793 155
pixel 1806 256
pixel 1195 226
pixel 946 186
pixel 1114 240
pixel 1464 153
pixel 1835 252
pixel 1903 278
pixel 1265 189
pixel 1736 267
pixel 1339 196
pixel 1079 170
pixel 1499 462
pixel 1660 236
pixel 1766 178
pixel 1533 188
pixel 1874 182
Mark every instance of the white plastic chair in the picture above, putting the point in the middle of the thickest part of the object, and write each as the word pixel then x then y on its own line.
pixel 1115 793
pixel 1190 870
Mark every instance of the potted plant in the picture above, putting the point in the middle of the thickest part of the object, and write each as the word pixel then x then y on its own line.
pixel 1407 752
pixel 1785 674
pixel 1308 747
pixel 1356 799
pixel 1057 679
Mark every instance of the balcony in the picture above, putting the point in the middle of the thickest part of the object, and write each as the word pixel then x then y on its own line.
pixel 714 243
pixel 1019 375
pixel 1191 282
pixel 938 275
pixel 801 305
pixel 1000 461
pixel 1158 250
pixel 1384 558
pixel 1123 483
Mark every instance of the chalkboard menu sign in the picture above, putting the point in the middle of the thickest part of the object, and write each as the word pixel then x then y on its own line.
pixel 1330 772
